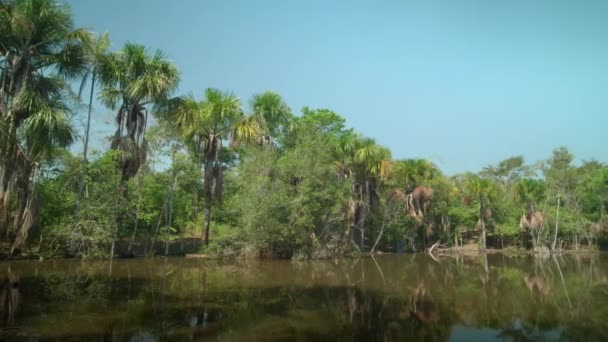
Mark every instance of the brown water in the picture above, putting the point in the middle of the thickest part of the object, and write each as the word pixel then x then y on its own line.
pixel 389 298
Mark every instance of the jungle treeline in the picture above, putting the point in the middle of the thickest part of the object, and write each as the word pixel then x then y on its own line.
pixel 238 177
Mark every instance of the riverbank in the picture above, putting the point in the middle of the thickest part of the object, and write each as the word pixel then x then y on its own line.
pixel 190 248
pixel 473 249
pixel 124 249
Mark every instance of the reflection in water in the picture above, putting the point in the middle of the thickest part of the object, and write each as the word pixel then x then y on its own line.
pixel 9 303
pixel 422 306
pixel 411 297
pixel 537 285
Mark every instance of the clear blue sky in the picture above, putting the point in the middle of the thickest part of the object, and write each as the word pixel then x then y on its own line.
pixel 463 83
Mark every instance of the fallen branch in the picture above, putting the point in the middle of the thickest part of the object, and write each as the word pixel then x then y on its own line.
pixel 377 240
pixel 433 247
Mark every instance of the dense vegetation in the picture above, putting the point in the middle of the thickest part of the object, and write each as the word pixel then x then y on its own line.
pixel 253 178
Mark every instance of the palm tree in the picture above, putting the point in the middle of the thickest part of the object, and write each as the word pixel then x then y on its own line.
pixel 40 49
pixel 133 80
pixel 368 164
pixel 45 131
pixel 271 112
pixel 205 125
pixel 483 190
pixel 96 52
pixel 415 172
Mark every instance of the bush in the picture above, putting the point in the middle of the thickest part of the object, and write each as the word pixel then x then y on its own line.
pixel 86 238
pixel 225 241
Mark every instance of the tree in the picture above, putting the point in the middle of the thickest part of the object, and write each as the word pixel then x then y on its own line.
pixel 369 164
pixel 290 201
pixel 40 50
pixel 93 232
pixel 96 52
pixel 411 173
pixel 508 171
pixel 531 193
pixel 271 112
pixel 133 80
pixel 205 125
pixel 427 196
pixel 593 190
pixel 592 199
pixel 483 191
pixel 561 179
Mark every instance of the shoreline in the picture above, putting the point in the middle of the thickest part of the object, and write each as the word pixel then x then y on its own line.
pixel 436 253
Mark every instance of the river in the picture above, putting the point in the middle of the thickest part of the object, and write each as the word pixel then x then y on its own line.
pixel 388 298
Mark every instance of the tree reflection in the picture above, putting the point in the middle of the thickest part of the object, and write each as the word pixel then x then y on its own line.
pixel 384 298
pixel 10 299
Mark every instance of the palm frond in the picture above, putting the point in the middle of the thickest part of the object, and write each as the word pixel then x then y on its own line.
pixel 247 130
pixel 271 111
pixel 47 128
pixel 223 108
pixel 110 97
pixel 157 79
pixel 112 70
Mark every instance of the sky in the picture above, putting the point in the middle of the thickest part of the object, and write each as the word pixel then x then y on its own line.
pixel 462 83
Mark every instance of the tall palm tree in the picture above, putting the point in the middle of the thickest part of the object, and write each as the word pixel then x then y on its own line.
pixel 368 164
pixel 43 133
pixel 96 53
pixel 39 49
pixel 483 191
pixel 205 125
pixel 133 80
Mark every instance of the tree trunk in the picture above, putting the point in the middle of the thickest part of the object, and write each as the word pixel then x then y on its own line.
pixel 137 210
pixel 556 225
pixel 362 216
pixel 85 151
pixel 483 235
pixel 482 222
pixel 22 202
pixel 120 194
pixel 5 191
pixel 130 248
pixel 25 224
pixel 208 189
pixel 170 216
pixel 24 218
pixel 5 203
pixel 160 217
pixel 377 240
pixel 197 201
pixel 362 229
pixel 412 233
pixel 380 235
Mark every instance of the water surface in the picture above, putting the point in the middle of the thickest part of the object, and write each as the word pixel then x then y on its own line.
pixel 388 298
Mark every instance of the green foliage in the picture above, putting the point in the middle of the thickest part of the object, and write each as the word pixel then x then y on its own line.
pixel 531 192
pixel 414 172
pixel 264 180
pixel 305 197
pixel 285 198
pixel 41 51
pixel 92 234
pixel 227 241
pixel 593 191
